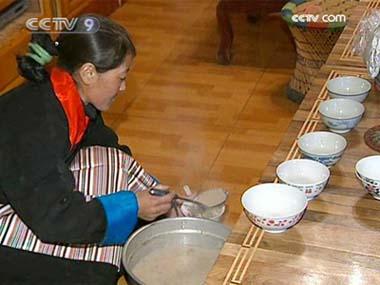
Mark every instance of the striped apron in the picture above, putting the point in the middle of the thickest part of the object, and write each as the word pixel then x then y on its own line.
pixel 97 171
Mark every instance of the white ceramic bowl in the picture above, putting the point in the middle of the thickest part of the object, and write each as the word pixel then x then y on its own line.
pixel 309 176
pixel 368 172
pixel 341 115
pixel 274 207
pixel 215 199
pixel 324 147
pixel 349 87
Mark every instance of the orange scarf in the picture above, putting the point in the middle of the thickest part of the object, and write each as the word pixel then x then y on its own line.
pixel 67 93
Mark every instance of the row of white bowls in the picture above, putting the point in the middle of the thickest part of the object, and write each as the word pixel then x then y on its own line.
pixel 344 111
pixel 277 207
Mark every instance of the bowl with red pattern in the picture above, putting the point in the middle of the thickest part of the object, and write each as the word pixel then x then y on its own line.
pixel 274 207
pixel 367 171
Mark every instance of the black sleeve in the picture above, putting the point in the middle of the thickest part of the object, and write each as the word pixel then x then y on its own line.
pixel 39 185
pixel 99 134
pixel 53 210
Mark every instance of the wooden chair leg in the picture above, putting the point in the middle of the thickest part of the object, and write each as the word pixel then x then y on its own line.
pixel 223 10
pixel 226 33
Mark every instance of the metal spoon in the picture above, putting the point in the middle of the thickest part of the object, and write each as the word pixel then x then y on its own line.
pixel 158 192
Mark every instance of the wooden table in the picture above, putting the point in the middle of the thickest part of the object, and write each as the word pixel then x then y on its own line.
pixel 338 240
pixel 225 8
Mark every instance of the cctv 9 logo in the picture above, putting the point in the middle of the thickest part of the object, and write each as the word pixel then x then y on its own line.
pixel 63 25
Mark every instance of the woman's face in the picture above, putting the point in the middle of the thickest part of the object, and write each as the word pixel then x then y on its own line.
pixel 101 89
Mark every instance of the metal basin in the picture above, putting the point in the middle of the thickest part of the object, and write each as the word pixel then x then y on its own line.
pixel 173 251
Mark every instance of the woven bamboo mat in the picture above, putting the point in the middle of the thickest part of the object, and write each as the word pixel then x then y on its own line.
pixel 254 236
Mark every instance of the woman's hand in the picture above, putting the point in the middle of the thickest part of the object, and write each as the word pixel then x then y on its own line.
pixel 150 207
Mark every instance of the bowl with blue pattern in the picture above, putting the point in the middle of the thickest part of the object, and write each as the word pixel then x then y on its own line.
pixel 341 115
pixel 367 170
pixel 324 147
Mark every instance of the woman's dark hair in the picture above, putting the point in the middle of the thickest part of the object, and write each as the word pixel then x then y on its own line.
pixel 105 49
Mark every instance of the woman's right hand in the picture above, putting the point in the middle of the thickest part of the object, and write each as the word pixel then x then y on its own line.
pixel 150 207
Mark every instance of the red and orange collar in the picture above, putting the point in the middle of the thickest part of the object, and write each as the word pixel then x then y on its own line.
pixel 68 95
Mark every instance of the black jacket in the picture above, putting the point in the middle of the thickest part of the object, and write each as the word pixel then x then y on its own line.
pixel 34 166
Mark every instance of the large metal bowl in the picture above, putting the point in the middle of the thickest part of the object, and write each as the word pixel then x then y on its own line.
pixel 173 251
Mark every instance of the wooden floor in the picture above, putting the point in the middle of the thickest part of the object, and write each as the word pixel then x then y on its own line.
pixel 191 121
